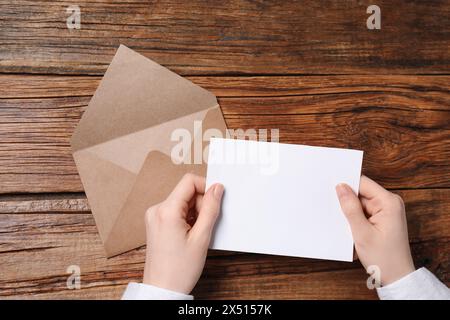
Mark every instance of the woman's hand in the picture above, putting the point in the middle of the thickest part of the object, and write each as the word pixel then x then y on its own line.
pixel 178 234
pixel 378 223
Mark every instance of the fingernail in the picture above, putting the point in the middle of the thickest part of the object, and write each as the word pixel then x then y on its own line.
pixel 218 191
pixel 342 190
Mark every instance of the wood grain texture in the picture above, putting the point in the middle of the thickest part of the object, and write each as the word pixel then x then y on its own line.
pixel 228 37
pixel 309 68
pixel 401 122
pixel 36 248
pixel 59 203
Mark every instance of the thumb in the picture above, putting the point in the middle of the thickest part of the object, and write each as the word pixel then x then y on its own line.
pixel 209 210
pixel 351 206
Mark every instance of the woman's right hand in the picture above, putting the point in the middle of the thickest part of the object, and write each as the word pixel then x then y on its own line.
pixel 378 223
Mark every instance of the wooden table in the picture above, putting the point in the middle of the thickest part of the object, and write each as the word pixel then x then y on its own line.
pixel 310 68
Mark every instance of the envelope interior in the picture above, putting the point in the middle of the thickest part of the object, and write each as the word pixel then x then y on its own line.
pixel 130 151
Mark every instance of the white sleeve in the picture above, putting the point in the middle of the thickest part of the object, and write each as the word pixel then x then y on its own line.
pixel 140 291
pixel 418 285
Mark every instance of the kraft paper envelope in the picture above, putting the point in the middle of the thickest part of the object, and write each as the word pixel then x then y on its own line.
pixel 281 199
pixel 122 145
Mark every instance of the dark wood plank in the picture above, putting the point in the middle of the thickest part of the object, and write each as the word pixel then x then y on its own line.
pixel 37 247
pixel 223 37
pixel 401 122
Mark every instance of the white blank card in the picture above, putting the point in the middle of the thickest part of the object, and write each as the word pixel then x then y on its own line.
pixel 281 199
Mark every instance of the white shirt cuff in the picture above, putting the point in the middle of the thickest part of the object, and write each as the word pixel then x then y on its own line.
pixel 140 291
pixel 418 285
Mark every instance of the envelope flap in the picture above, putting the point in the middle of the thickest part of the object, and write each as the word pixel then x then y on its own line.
pixel 137 93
